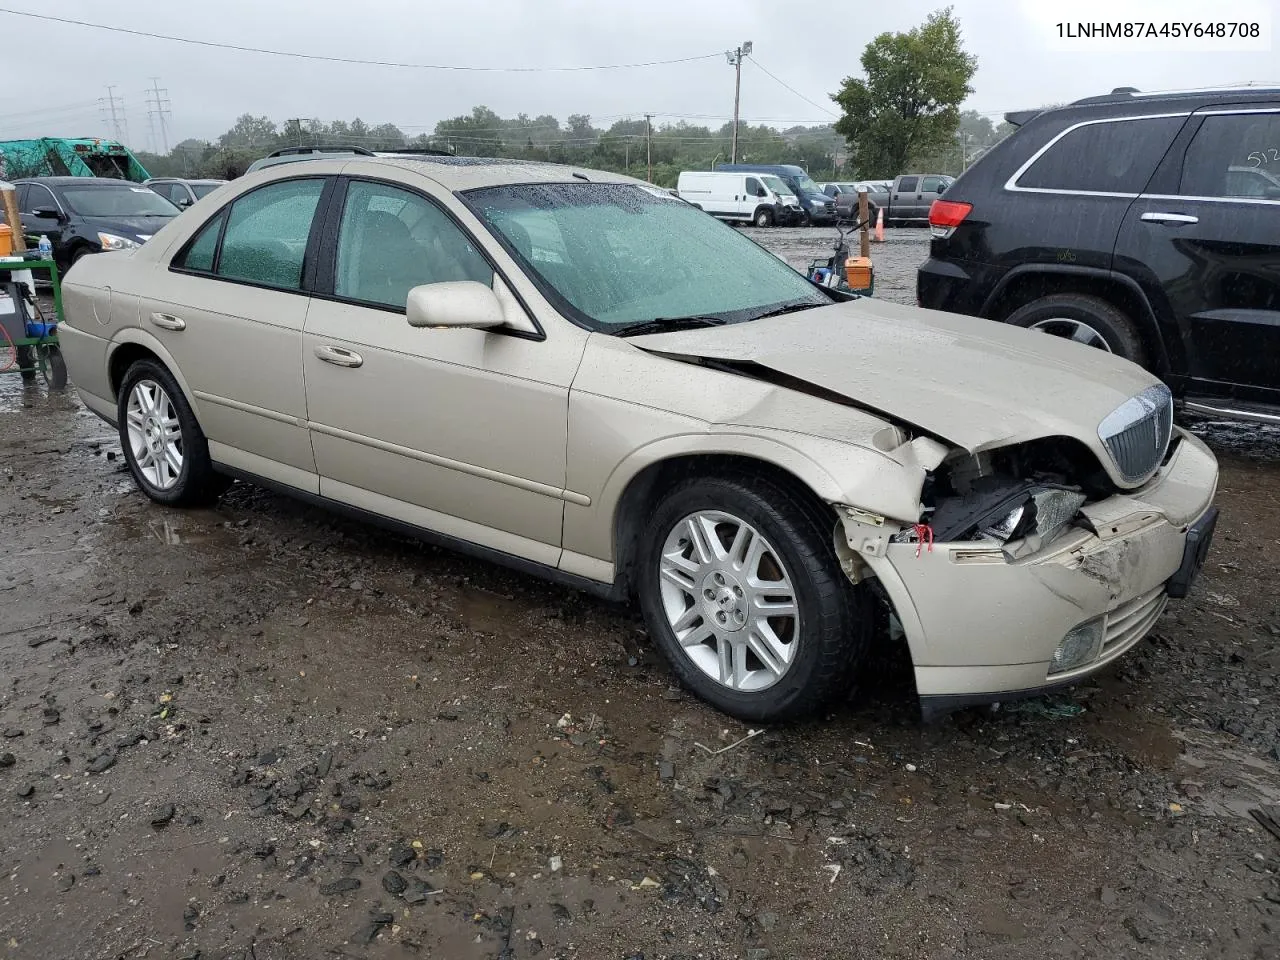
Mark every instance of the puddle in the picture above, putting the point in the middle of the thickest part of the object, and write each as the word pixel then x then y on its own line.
pixel 1254 782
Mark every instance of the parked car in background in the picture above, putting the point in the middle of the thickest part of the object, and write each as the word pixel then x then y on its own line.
pixel 572 372
pixel 83 215
pixel 846 198
pixel 817 206
pixel 759 199
pixel 911 196
pixel 1147 225
pixel 183 193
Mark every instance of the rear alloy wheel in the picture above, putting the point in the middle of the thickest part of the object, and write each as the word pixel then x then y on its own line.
pixel 1085 319
pixel 163 444
pixel 740 587
pixel 764 218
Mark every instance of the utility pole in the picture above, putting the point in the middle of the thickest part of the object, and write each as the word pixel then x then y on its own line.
pixel 648 143
pixel 115 117
pixel 298 121
pixel 735 60
pixel 158 107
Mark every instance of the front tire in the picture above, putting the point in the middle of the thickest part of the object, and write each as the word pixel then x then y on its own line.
pixel 52 366
pixel 163 444
pixel 741 589
pixel 763 218
pixel 1085 319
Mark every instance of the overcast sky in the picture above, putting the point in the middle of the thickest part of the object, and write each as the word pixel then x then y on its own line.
pixel 1021 61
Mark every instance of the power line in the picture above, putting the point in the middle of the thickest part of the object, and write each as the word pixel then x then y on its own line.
pixel 757 63
pixel 351 60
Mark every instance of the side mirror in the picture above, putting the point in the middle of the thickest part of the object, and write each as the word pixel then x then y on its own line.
pixel 184 202
pixel 47 213
pixel 761 192
pixel 464 304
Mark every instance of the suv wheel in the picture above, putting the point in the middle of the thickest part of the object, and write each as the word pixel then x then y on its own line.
pixel 740 587
pixel 165 448
pixel 1084 319
pixel 764 217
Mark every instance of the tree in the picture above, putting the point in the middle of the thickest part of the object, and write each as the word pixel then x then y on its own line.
pixel 251 132
pixel 909 103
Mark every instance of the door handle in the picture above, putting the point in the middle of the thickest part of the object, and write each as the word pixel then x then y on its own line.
pixel 166 321
pixel 339 357
pixel 1169 218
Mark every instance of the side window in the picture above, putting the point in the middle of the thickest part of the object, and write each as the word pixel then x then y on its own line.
pixel 200 252
pixel 1116 156
pixel 931 185
pixel 908 184
pixel 1234 155
pixel 266 236
pixel 40 196
pixel 24 190
pixel 391 240
pixel 753 186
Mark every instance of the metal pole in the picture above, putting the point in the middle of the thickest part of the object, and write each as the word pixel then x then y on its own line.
pixel 737 90
pixel 648 143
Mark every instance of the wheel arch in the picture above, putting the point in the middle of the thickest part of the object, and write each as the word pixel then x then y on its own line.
pixel 132 345
pixel 634 489
pixel 1025 284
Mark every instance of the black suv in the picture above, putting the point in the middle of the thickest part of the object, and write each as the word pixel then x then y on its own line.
pixel 1144 224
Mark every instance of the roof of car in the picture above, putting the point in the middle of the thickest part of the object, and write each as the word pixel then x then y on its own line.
pixel 1129 100
pixel 79 181
pixel 467 173
pixel 200 180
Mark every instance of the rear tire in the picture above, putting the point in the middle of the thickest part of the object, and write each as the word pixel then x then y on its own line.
pixel 697 566
pixel 52 366
pixel 163 444
pixel 763 218
pixel 1086 319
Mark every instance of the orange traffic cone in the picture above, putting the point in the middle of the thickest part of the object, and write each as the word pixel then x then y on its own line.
pixel 880 225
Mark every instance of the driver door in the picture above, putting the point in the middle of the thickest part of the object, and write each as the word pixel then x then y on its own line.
pixel 453 430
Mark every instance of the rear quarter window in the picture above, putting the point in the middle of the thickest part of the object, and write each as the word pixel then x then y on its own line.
pixel 1109 156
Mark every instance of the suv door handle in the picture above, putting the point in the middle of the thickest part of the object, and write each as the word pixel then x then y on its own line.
pixel 166 321
pixel 1169 218
pixel 339 356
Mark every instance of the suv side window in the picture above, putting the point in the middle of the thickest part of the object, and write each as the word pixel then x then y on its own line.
pixel 1234 155
pixel 391 240
pixel 753 186
pixel 908 184
pixel 1113 156
pixel 266 236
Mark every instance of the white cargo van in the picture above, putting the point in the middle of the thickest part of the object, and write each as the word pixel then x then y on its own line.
pixel 762 199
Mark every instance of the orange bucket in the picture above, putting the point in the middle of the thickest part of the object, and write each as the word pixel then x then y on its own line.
pixel 6 240
pixel 858 272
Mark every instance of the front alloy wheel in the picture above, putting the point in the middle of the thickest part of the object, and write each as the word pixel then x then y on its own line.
pixel 729 601
pixel 741 588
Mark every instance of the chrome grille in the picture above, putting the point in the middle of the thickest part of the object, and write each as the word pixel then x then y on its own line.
pixel 1137 432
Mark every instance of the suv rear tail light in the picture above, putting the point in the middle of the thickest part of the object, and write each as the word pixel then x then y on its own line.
pixel 945 216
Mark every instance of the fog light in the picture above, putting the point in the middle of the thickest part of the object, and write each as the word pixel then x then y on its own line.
pixel 1081 645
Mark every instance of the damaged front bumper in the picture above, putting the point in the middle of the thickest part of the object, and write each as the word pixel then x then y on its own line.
pixel 983 628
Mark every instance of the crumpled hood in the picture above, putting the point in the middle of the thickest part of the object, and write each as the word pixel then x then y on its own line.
pixel 972 382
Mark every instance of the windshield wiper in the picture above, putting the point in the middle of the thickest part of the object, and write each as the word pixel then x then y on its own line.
pixel 788 308
pixel 666 325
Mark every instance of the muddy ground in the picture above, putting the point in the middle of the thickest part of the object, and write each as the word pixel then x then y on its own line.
pixel 261 732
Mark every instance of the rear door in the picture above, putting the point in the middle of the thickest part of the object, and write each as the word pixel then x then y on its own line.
pixel 1206 243
pixel 229 308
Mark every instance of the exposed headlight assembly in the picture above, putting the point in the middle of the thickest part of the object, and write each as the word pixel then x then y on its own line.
pixel 110 241
pixel 1042 511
